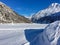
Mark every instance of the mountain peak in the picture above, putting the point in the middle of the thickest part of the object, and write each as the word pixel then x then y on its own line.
pixel 7 15
pixel 55 5
pixel 54 8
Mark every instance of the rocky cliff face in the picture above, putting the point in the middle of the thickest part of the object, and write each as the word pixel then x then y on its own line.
pixel 7 15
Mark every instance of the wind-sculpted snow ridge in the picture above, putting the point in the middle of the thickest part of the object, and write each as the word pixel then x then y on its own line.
pixel 50 36
pixel 53 33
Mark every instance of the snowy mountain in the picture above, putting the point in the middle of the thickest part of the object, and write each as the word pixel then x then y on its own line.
pixel 52 9
pixel 50 36
pixel 7 15
pixel 49 19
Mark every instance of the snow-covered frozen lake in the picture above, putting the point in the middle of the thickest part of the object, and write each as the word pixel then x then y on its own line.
pixel 19 34
pixel 22 26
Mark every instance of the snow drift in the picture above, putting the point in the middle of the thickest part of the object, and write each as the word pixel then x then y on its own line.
pixel 50 36
pixel 17 34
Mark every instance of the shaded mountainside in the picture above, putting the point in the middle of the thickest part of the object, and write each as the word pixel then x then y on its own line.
pixel 49 19
pixel 44 15
pixel 7 15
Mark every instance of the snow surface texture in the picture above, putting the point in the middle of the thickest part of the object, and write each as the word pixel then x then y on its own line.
pixel 17 34
pixel 12 37
pixel 50 36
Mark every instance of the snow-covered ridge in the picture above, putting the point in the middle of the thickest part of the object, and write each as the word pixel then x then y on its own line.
pixel 53 8
pixel 53 33
pixel 50 36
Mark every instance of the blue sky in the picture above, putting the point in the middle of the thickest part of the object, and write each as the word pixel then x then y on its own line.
pixel 28 7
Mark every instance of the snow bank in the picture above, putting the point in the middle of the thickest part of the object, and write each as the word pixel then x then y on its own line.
pixel 15 34
pixel 50 36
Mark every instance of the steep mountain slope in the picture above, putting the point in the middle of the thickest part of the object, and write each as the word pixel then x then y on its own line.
pixel 49 19
pixel 52 9
pixel 7 15
pixel 50 36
